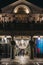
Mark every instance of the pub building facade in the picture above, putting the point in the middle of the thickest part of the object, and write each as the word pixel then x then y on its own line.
pixel 21 30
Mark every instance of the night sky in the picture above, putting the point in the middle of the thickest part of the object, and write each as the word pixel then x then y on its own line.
pixel 4 3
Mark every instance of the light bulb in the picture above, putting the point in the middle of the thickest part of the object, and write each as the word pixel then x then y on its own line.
pixel 38 38
pixel 22 41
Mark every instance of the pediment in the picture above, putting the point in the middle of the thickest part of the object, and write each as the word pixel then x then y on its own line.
pixel 32 7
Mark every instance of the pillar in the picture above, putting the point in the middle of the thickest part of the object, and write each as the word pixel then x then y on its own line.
pixel 12 48
pixel 32 48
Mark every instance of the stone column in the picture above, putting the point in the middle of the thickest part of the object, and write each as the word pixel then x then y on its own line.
pixel 32 48
pixel 13 45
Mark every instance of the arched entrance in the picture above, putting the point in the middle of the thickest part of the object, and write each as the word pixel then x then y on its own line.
pixel 22 50
pixel 21 9
pixel 22 13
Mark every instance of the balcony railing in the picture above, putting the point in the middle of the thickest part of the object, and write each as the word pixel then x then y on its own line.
pixel 13 26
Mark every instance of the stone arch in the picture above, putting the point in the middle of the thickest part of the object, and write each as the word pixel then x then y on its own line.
pixel 22 7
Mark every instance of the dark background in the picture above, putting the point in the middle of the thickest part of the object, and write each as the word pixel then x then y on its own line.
pixel 4 3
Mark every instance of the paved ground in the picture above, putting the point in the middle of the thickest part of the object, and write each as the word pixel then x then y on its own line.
pixel 22 60
pixel 23 64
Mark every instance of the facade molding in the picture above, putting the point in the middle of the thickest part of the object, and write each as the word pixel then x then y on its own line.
pixel 10 7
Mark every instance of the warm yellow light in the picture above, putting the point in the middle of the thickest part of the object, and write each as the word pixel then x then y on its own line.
pixel 15 11
pixel 27 11
pixel 25 8
pixel 22 41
